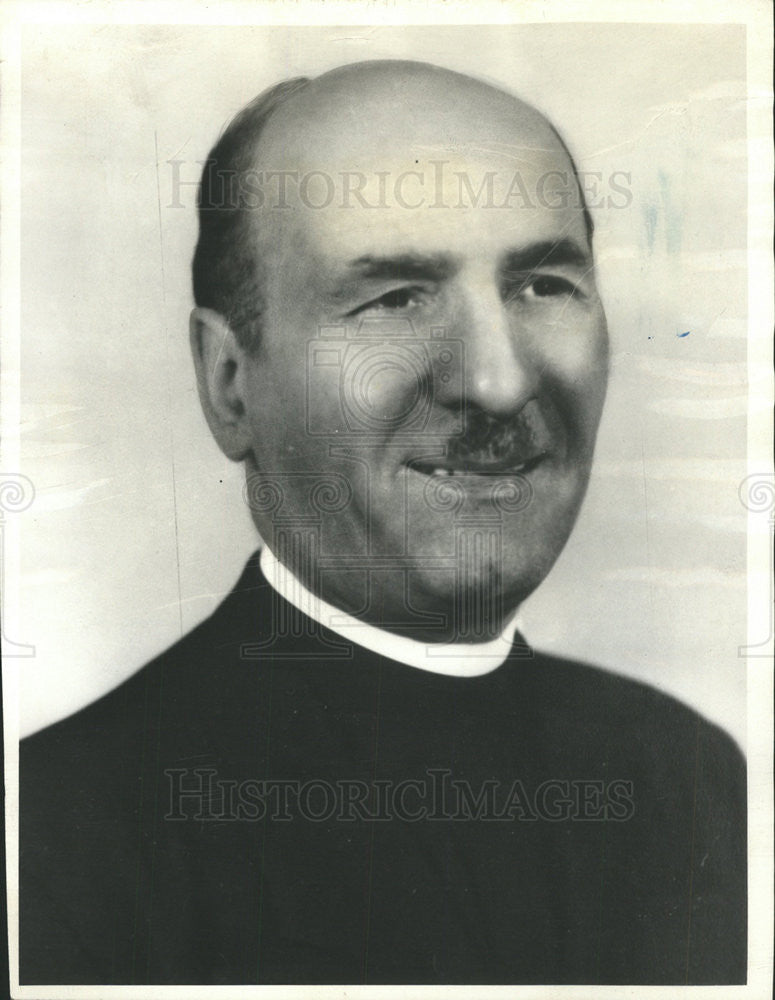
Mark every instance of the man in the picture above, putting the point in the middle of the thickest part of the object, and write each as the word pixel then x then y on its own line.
pixel 356 770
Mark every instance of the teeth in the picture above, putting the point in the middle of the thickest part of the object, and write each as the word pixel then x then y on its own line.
pixel 472 472
pixel 447 473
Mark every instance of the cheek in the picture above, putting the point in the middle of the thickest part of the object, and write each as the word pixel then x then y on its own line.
pixel 276 409
pixel 386 387
pixel 572 350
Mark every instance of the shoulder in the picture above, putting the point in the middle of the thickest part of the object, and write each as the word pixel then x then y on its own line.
pixel 183 682
pixel 635 726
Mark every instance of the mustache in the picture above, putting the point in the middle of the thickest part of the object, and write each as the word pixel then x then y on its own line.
pixel 489 439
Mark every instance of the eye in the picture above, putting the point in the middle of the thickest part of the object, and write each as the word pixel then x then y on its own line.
pixel 395 300
pixel 546 287
pixel 532 288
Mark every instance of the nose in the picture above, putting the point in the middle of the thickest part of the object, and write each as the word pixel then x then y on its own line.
pixel 499 374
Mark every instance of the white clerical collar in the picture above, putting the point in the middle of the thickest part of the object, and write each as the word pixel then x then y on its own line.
pixel 454 659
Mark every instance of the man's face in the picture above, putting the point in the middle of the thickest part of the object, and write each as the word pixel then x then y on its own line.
pixel 442 366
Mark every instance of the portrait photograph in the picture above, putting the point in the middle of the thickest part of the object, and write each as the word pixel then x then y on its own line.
pixel 387 498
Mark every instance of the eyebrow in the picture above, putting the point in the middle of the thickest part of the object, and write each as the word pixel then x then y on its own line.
pixel 548 253
pixel 405 266
pixel 436 267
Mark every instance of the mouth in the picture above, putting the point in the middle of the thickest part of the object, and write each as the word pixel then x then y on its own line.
pixel 459 469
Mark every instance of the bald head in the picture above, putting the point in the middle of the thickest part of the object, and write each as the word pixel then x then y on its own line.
pixel 370 119
pixel 373 106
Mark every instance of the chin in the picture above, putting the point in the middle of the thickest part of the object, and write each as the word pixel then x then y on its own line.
pixel 487 589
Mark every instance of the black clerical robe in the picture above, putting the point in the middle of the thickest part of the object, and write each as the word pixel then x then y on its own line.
pixel 267 803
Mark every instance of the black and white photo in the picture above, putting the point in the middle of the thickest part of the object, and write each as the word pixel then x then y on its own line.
pixel 387 501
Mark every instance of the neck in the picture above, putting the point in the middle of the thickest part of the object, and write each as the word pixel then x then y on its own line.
pixel 391 601
pixel 453 659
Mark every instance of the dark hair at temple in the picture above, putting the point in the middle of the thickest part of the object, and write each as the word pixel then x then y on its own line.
pixel 226 274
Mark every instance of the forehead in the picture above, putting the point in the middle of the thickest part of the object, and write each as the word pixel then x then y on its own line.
pixel 436 162
pixel 370 107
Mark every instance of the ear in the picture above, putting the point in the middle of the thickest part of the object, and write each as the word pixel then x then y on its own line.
pixel 221 369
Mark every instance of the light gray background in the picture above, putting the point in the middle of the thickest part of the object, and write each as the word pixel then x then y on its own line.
pixel 138 526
